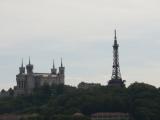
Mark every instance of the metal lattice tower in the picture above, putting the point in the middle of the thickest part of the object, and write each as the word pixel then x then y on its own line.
pixel 116 74
pixel 116 79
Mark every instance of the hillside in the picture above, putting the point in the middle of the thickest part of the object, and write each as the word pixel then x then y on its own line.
pixel 141 101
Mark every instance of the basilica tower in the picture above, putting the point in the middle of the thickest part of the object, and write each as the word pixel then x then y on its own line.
pixel 22 68
pixel 53 70
pixel 61 68
pixel 29 67
pixel 61 73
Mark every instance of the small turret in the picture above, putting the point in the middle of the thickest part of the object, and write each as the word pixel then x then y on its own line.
pixel 22 69
pixel 29 67
pixel 54 70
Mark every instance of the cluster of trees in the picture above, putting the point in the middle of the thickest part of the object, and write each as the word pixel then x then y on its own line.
pixel 4 93
pixel 141 101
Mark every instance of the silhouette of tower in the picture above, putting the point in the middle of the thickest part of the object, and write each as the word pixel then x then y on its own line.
pixel 116 79
pixel 22 69
pixel 61 68
pixel 29 67
pixel 61 73
pixel 54 70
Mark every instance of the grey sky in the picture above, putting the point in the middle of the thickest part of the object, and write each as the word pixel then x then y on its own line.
pixel 81 31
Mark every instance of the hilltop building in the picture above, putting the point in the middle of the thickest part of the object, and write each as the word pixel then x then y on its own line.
pixel 110 116
pixel 26 82
pixel 84 85
pixel 116 79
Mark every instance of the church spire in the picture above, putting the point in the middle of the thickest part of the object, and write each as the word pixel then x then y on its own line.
pixel 53 64
pixel 22 69
pixel 29 67
pixel 53 70
pixel 22 63
pixel 61 68
pixel 29 60
pixel 61 63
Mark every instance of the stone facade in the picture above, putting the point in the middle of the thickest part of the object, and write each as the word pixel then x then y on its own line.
pixel 26 82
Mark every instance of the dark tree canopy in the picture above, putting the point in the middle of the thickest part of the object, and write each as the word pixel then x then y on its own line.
pixel 141 101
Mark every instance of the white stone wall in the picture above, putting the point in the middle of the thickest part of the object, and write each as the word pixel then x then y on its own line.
pixel 27 82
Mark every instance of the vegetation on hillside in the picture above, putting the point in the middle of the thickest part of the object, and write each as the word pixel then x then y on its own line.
pixel 61 102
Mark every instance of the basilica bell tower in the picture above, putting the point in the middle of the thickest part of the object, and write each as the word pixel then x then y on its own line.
pixel 29 67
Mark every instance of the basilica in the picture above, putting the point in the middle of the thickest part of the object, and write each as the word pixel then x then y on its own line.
pixel 27 82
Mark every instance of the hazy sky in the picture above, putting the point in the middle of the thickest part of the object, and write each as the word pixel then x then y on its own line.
pixel 81 31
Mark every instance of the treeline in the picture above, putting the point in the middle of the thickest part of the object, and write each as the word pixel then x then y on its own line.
pixel 141 101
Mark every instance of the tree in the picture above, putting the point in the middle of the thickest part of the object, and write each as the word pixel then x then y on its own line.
pixel 11 92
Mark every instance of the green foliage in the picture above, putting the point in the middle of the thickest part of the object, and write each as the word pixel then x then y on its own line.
pixel 11 91
pixel 61 102
pixel 144 101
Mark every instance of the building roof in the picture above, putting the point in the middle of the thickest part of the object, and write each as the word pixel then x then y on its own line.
pixel 78 114
pixel 41 73
pixel 44 74
pixel 109 114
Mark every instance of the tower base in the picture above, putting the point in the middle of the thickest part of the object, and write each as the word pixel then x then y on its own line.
pixel 116 83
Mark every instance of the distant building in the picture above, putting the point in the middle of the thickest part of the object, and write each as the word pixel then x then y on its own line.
pixel 110 116
pixel 84 85
pixel 9 117
pixel 26 82
pixel 78 114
